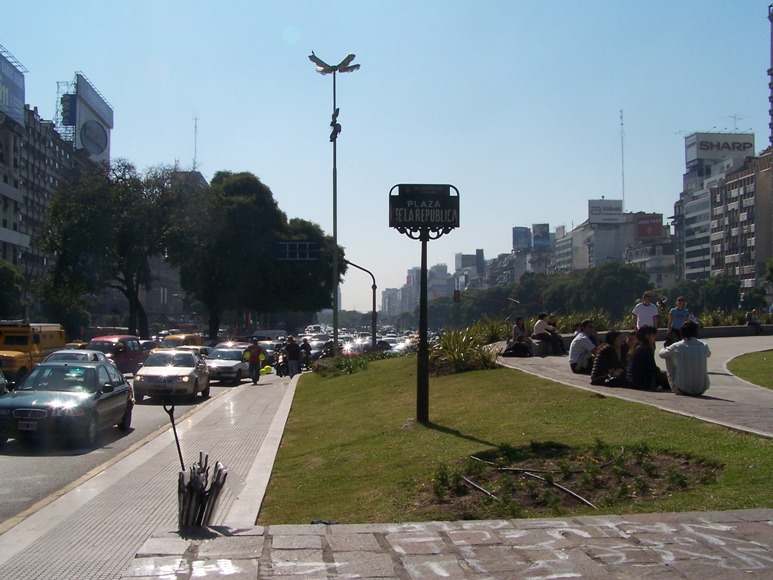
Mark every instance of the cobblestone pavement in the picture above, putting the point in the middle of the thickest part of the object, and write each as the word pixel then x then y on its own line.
pixel 730 545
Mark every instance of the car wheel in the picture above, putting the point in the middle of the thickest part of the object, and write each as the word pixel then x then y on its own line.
pixel 191 398
pixel 238 377
pixel 126 420
pixel 205 392
pixel 89 437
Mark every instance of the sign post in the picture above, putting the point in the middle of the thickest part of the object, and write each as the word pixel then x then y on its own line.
pixel 423 212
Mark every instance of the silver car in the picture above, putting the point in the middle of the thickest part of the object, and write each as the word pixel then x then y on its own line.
pixel 227 364
pixel 172 373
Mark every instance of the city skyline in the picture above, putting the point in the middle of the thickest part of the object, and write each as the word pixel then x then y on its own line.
pixel 518 104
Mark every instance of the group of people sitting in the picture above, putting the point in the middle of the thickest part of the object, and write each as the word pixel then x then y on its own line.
pixel 628 359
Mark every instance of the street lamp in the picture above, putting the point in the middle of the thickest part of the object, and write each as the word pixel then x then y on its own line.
pixel 323 68
pixel 373 316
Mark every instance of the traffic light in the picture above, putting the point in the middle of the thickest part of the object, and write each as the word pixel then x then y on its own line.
pixel 457 296
pixel 335 125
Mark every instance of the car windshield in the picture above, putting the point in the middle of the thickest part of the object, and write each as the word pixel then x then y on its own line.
pixel 102 345
pixel 170 359
pixel 59 378
pixel 222 354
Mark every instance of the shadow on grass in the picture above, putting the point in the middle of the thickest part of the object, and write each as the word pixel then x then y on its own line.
pixel 457 433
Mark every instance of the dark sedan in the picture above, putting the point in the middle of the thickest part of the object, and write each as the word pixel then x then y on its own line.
pixel 70 400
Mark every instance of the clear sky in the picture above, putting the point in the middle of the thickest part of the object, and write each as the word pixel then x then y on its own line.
pixel 515 102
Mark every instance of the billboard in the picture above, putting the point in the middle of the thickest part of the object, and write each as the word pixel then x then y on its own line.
pixel 717 146
pixel 540 234
pixel 11 90
pixel 93 120
pixel 649 226
pixel 605 211
pixel 521 238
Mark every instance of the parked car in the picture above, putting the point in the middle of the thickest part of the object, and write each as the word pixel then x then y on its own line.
pixel 67 399
pixel 172 373
pixel 82 355
pixel 227 364
pixel 125 350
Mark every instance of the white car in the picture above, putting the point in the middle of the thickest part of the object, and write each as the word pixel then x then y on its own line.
pixel 172 373
pixel 227 364
pixel 79 354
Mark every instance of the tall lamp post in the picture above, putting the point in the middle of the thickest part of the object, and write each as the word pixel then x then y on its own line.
pixel 323 68
pixel 373 316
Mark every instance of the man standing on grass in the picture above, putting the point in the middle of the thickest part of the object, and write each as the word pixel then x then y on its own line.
pixel 686 363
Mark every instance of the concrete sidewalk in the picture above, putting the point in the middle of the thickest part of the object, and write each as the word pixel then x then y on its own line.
pixel 731 402
pixel 123 522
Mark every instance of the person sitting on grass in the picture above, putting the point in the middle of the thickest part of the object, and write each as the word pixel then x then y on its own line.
pixel 642 371
pixel 686 363
pixel 583 348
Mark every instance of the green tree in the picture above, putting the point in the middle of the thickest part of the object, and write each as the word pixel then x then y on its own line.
pixel 720 293
pixel 103 227
pixel 226 252
pixel 11 289
pixel 60 304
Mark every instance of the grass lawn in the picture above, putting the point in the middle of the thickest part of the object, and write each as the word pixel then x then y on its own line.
pixel 754 367
pixel 353 453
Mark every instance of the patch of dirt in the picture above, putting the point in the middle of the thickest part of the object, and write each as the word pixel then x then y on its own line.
pixel 548 478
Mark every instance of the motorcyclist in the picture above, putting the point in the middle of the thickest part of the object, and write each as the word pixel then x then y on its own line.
pixel 253 355
pixel 305 353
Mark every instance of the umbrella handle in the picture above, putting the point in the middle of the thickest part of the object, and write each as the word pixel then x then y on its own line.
pixel 170 412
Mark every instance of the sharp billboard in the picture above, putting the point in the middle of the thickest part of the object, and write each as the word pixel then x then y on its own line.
pixel 717 146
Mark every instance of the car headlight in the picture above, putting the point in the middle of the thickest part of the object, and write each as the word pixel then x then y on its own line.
pixel 138 378
pixel 67 410
pixel 185 379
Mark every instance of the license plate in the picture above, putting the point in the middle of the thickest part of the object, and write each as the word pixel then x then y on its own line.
pixel 28 425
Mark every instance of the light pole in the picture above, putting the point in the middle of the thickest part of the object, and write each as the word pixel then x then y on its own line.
pixel 323 68
pixel 373 315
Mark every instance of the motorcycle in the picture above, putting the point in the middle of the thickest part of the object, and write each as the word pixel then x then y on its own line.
pixel 280 365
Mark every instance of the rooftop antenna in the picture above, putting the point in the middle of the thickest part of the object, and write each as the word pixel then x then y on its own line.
pixel 622 156
pixel 195 139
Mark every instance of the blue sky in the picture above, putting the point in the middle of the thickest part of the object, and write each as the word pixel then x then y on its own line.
pixel 516 103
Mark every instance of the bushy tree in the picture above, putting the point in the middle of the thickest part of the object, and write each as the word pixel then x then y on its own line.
pixel 103 228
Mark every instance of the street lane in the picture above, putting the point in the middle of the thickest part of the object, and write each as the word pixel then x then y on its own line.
pixel 32 471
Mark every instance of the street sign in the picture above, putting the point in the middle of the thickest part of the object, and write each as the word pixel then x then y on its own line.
pixel 296 251
pixel 424 206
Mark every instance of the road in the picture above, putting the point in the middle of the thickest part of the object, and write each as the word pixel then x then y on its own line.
pixel 32 472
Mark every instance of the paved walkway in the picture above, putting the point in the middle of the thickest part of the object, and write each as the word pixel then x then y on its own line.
pixel 730 401
pixel 122 523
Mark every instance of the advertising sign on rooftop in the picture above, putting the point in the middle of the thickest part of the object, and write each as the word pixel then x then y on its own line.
pixel 649 226
pixel 521 238
pixel 11 90
pixel 540 234
pixel 605 211
pixel 717 146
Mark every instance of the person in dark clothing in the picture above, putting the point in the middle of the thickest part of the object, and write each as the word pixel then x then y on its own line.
pixel 609 364
pixel 642 371
pixel 543 330
pixel 293 352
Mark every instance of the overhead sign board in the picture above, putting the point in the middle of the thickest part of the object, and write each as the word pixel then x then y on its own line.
pixel 424 206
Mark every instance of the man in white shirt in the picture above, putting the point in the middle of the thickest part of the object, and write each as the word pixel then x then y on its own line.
pixel 582 349
pixel 686 363
pixel 645 313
